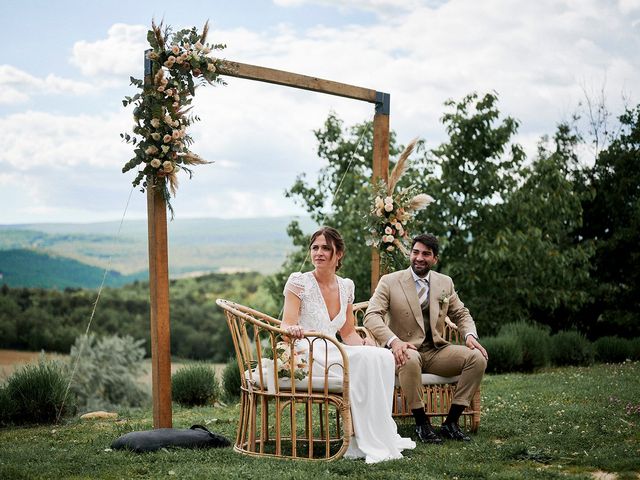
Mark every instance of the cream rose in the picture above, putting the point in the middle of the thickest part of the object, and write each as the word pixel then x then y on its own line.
pixel 165 148
pixel 151 150
pixel 198 45
pixel 155 163
pixel 156 136
pixel 388 207
pixel 155 122
pixel 175 49
pixel 167 166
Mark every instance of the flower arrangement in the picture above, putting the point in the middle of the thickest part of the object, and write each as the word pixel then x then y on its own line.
pixel 283 361
pixel 179 62
pixel 393 212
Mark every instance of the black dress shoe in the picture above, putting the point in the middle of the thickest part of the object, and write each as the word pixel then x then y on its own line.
pixel 451 431
pixel 426 434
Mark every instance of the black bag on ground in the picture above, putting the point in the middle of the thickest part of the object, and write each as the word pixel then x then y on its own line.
pixel 151 440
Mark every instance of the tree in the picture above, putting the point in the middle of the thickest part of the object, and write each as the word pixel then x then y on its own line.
pixel 612 221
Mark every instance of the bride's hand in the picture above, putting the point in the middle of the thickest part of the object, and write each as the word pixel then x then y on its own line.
pixel 368 342
pixel 294 331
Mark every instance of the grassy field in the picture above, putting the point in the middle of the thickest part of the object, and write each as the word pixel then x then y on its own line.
pixel 561 423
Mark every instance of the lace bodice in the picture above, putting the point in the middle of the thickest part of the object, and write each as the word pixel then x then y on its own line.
pixel 314 314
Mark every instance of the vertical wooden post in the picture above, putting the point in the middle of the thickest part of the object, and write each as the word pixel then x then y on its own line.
pixel 158 294
pixel 159 297
pixel 380 165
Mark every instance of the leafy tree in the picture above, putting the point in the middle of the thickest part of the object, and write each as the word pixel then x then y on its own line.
pixel 612 221
pixel 530 268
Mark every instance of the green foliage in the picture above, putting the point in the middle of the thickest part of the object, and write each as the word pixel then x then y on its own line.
pixel 635 348
pixel 612 349
pixel 195 385
pixel 34 319
pixel 612 222
pixel 231 379
pixel 505 354
pixel 105 372
pixel 571 348
pixel 7 407
pixel 534 342
pixel 36 394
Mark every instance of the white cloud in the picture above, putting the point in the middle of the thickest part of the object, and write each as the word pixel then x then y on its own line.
pixel 120 54
pixel 539 56
pixel 17 86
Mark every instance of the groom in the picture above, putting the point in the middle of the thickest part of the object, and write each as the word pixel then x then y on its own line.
pixel 417 300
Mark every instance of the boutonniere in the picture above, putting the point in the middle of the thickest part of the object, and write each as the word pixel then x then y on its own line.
pixel 444 298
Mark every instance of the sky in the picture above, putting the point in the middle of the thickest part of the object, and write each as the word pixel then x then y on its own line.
pixel 65 68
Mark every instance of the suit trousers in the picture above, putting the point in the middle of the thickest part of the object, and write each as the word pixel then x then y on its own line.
pixel 447 361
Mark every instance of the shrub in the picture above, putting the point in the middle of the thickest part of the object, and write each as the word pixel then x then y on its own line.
pixel 534 343
pixel 231 379
pixel 195 385
pixel 36 394
pixel 6 407
pixel 107 372
pixel 612 349
pixel 505 354
pixel 571 348
pixel 635 348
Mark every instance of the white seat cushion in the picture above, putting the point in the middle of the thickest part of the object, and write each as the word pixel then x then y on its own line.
pixel 317 383
pixel 431 379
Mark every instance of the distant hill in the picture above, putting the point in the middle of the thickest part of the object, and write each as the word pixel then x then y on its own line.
pixel 29 268
pixel 196 246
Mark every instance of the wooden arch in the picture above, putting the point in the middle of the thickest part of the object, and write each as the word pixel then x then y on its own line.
pixel 157 217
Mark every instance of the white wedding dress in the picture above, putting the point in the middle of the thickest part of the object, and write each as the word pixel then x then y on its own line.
pixel 371 372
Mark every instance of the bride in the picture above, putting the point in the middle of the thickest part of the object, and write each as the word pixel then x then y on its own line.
pixel 323 302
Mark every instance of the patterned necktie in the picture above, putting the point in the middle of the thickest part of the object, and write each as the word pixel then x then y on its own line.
pixel 423 293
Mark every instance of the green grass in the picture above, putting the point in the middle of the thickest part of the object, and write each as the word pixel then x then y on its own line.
pixel 561 423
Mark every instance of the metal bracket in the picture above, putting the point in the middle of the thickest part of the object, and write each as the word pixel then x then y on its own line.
pixel 147 63
pixel 383 103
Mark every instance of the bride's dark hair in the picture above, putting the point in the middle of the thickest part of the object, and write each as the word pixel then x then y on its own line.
pixel 334 239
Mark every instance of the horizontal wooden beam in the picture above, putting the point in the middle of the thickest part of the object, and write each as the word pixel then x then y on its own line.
pixel 280 77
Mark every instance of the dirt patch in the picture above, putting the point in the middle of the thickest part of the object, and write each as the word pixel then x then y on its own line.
pixel 10 360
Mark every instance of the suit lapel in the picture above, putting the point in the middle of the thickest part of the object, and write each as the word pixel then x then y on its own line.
pixel 409 288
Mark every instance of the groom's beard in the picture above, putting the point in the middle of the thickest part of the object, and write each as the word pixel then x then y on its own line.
pixel 420 271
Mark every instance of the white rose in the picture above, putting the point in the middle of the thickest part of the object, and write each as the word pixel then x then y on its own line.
pixel 388 207
pixel 388 230
pixel 167 138
pixel 155 163
pixel 156 136
pixel 388 200
pixel 168 120
pixel 155 122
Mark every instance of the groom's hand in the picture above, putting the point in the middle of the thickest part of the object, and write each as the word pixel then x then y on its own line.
pixel 399 349
pixel 472 343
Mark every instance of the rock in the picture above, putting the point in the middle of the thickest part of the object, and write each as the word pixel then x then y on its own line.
pixel 100 414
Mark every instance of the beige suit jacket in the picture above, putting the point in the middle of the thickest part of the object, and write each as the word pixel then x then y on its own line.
pixel 394 310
